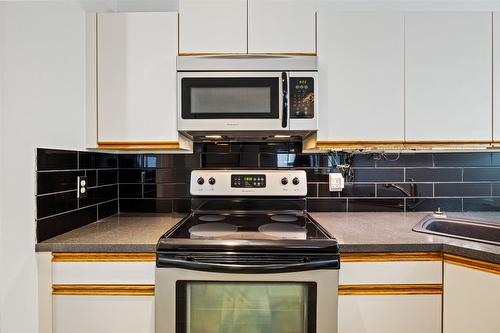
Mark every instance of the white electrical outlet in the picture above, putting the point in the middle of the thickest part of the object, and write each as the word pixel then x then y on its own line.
pixel 335 182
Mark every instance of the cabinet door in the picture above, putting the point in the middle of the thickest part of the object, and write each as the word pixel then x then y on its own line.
pixel 361 64
pixel 213 26
pixel 448 76
pixel 390 313
pixel 99 314
pixel 471 300
pixel 277 26
pixel 137 77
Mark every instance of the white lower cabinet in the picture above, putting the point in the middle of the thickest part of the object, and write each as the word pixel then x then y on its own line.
pixel 471 300
pixel 389 313
pixel 101 293
pixel 390 295
pixel 103 314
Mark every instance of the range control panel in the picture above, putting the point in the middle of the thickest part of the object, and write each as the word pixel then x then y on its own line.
pixel 301 97
pixel 248 183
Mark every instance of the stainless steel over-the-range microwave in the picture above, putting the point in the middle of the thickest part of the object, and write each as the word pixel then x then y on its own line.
pixel 274 102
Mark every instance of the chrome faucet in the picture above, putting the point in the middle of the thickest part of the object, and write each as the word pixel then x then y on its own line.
pixel 411 194
pixel 413 202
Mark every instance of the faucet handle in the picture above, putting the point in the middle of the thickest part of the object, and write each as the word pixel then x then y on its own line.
pixel 439 213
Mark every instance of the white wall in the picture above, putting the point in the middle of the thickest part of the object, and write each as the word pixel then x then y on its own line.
pixel 42 103
pixel 2 273
pixel 42 68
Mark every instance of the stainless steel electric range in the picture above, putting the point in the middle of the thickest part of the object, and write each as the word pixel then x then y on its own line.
pixel 247 259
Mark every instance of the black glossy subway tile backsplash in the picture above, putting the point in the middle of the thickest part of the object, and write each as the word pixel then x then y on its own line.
pixel 462 190
pixel 481 204
pixel 434 174
pixel 482 174
pixel 55 159
pixel 58 207
pixel 62 223
pixel 353 190
pixel 379 175
pixel 160 182
pixel 57 181
pixel 376 205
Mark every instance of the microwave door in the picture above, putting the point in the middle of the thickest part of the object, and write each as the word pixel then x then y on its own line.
pixel 231 101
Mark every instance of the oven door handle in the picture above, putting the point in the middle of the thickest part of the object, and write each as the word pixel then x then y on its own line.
pixel 193 264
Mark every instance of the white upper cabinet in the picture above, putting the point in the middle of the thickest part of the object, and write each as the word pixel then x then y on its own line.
pixel 448 76
pixel 136 77
pixel 361 68
pixel 277 26
pixel 213 26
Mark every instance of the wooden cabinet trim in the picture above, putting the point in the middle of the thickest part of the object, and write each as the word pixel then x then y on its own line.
pixel 391 289
pixel 390 256
pixel 138 145
pixel 103 257
pixel 403 144
pixel 187 54
pixel 472 263
pixel 103 290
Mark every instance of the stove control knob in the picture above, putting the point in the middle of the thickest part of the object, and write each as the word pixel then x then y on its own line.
pixel 284 180
pixel 211 181
pixel 295 181
pixel 201 180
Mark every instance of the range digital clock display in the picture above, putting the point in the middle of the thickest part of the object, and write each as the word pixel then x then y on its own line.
pixel 248 181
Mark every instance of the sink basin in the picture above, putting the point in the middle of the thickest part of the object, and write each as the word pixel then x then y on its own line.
pixel 473 230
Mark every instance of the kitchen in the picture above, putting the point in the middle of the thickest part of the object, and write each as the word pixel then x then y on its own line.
pixel 406 125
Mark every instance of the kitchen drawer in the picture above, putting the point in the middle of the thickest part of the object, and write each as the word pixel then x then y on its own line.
pixel 395 270
pixel 103 273
pixel 103 268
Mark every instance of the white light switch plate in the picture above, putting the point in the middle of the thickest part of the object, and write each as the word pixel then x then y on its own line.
pixel 335 182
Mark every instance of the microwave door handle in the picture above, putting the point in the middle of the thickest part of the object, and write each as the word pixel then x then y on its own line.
pixel 284 82
pixel 331 263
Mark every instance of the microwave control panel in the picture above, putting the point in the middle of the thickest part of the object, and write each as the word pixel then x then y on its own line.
pixel 301 97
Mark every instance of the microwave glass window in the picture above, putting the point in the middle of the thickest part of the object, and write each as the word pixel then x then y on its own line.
pixel 231 100
pixel 257 307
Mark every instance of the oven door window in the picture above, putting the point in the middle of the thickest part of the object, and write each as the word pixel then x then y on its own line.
pixel 250 307
pixel 230 98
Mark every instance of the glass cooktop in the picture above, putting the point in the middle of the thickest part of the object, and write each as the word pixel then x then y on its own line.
pixel 248 227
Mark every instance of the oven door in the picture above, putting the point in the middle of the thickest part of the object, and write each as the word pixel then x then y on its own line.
pixel 228 101
pixel 196 301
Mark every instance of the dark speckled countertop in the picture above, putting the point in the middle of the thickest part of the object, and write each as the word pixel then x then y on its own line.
pixel 386 232
pixel 118 233
pixel 355 232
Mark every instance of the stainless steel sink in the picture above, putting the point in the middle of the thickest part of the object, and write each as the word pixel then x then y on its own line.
pixel 473 230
